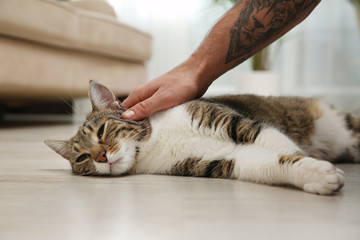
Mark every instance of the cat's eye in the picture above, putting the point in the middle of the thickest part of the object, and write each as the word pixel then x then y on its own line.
pixel 82 158
pixel 101 131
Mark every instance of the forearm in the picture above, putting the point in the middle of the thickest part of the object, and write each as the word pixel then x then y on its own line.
pixel 245 29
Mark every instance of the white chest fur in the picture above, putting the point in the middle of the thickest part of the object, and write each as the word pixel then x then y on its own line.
pixel 174 139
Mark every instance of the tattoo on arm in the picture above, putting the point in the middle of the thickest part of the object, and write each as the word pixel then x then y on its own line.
pixel 260 21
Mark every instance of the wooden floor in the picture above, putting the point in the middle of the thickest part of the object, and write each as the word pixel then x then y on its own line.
pixel 41 199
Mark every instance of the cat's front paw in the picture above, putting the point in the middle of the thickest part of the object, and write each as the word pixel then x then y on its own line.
pixel 321 177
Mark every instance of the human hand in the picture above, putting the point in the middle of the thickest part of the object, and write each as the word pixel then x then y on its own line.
pixel 171 89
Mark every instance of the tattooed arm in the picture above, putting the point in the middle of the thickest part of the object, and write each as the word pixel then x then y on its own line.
pixel 244 30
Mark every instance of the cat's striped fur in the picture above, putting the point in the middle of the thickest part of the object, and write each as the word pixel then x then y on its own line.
pixel 247 137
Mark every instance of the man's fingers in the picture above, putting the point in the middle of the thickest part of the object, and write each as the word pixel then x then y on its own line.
pixel 129 114
pixel 140 111
pixel 135 97
pixel 130 101
pixel 139 94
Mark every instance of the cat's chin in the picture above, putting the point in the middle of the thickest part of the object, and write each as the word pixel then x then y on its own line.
pixel 115 168
pixel 119 163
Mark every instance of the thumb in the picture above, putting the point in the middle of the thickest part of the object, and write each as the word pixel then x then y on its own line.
pixel 139 111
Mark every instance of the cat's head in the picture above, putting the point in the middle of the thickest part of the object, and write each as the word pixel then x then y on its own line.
pixel 105 144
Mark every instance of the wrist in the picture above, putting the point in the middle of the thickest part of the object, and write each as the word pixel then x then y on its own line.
pixel 200 69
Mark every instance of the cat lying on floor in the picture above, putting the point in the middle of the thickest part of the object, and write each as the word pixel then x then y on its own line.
pixel 270 140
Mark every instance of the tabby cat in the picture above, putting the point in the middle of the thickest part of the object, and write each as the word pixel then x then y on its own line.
pixel 270 140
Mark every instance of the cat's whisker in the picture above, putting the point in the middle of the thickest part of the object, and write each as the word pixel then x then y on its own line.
pixel 72 107
pixel 129 134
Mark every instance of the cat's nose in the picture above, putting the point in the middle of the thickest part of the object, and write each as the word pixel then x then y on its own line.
pixel 101 157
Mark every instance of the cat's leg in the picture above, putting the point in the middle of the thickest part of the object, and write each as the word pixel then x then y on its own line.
pixel 290 163
pixel 254 163
pixel 257 164
pixel 286 163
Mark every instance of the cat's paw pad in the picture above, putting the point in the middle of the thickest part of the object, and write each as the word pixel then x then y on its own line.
pixel 322 177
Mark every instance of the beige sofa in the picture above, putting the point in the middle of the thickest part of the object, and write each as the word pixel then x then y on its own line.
pixel 51 49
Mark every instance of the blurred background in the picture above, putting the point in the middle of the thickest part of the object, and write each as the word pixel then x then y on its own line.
pixel 50 49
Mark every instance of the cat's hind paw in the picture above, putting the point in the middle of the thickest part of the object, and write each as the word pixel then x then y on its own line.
pixel 322 177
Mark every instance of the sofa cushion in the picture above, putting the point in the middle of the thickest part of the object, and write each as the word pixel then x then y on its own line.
pixel 38 71
pixel 69 26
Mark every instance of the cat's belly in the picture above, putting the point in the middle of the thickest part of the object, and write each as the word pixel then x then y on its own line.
pixel 175 139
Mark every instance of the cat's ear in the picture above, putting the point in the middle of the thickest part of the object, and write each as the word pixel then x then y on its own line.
pixel 102 97
pixel 61 147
